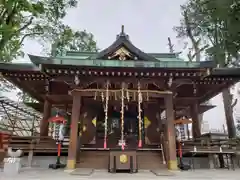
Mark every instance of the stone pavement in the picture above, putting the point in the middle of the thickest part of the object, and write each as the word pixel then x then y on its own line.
pixel 47 174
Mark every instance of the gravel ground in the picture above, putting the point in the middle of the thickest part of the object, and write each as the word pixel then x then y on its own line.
pixel 46 174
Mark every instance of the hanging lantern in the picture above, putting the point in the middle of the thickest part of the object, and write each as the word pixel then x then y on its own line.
pixel 58 126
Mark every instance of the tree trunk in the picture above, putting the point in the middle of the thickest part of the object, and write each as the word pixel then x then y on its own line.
pixel 227 102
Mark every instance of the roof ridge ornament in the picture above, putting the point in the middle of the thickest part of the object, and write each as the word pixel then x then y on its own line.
pixel 122 33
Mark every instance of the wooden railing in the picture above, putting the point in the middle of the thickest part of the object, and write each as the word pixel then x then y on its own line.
pixel 210 146
pixel 47 144
pixel 31 143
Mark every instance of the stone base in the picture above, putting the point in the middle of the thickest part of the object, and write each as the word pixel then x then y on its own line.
pixel 12 166
pixel 71 164
pixel 172 165
pixel 211 162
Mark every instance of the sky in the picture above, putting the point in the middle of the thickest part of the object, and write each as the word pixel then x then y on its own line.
pixel 147 22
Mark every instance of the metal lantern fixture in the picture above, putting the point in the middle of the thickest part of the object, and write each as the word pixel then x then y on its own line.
pixel 59 122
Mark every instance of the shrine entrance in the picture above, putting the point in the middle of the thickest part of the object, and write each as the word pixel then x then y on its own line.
pixel 114 127
pixel 130 130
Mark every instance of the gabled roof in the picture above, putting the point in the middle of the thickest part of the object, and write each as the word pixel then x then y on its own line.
pixel 123 41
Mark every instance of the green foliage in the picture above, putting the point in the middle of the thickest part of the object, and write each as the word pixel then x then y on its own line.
pixel 21 19
pixel 216 22
pixel 69 40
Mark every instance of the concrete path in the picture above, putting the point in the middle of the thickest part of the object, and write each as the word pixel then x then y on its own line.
pixel 46 174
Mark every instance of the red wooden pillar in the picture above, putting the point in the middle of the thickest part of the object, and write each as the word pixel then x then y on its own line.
pixel 44 124
pixel 196 131
pixel 171 137
pixel 73 144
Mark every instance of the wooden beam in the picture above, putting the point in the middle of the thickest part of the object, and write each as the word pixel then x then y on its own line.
pixel 121 71
pixel 178 81
pixel 92 92
pixel 67 99
pixel 184 101
pixel 214 91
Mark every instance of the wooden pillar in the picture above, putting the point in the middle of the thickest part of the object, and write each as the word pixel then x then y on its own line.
pixel 171 134
pixel 44 124
pixel 196 131
pixel 73 144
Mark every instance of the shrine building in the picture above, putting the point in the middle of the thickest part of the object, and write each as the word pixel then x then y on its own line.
pixel 122 102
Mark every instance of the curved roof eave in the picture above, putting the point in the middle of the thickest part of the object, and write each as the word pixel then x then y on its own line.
pixel 234 72
pixel 37 60
pixel 18 67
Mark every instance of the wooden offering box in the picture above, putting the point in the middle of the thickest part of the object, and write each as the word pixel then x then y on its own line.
pixel 123 161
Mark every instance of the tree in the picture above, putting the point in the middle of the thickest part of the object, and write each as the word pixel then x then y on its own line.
pixel 217 24
pixel 29 19
pixel 187 29
pixel 69 40
pixel 24 19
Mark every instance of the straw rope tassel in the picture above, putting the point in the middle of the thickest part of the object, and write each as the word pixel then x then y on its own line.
pixel 106 115
pixel 139 116
pixel 122 116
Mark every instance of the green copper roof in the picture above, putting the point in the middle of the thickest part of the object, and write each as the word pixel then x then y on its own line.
pixel 79 55
pixel 75 61
pixel 18 66
pixel 91 55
